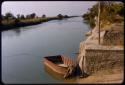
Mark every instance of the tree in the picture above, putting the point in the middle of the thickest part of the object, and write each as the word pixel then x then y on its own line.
pixel 108 12
pixel 2 17
pixel 33 15
pixel 18 16
pixel 17 21
pixel 43 16
pixel 9 15
pixel 66 16
pixel 60 16
pixel 22 16
pixel 27 16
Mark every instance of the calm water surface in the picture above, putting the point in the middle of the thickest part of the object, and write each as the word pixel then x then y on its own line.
pixel 23 49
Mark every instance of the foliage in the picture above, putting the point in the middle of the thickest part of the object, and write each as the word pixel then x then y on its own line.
pixel 66 16
pixel 109 11
pixel 22 17
pixel 9 15
pixel 9 21
pixel 43 16
pixel 60 16
pixel 18 16
pixel 33 15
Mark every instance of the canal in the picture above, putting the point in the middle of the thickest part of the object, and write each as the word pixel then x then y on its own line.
pixel 23 49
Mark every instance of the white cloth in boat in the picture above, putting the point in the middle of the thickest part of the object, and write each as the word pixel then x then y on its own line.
pixel 62 65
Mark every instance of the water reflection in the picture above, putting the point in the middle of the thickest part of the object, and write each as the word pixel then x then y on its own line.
pixel 17 31
pixel 58 76
pixel 60 22
pixel 11 33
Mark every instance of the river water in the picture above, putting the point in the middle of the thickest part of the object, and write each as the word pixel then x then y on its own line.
pixel 23 49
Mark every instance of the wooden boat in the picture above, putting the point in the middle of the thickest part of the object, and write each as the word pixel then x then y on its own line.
pixel 58 63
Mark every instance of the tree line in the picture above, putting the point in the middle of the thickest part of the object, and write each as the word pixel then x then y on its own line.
pixel 9 21
pixel 9 15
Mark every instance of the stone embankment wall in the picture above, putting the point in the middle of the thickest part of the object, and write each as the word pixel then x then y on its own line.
pixel 109 54
pixel 104 59
pixel 101 58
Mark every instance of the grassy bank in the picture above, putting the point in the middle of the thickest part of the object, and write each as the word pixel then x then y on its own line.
pixel 14 23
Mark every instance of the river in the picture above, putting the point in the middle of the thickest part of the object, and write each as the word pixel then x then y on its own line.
pixel 23 49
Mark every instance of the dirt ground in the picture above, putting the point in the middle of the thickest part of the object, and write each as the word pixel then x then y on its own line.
pixel 104 77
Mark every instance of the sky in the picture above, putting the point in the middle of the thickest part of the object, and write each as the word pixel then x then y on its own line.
pixel 49 8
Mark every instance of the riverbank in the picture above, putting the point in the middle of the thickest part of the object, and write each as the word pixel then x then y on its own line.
pixel 104 77
pixel 109 54
pixel 15 23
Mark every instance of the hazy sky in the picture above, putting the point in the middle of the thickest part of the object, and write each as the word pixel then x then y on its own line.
pixel 49 8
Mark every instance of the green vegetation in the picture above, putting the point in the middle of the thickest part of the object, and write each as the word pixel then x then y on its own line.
pixel 9 21
pixel 111 12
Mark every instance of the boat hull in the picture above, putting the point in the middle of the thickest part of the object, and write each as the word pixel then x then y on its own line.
pixel 58 64
pixel 54 67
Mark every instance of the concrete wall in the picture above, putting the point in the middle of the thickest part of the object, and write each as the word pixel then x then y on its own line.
pixel 104 59
pixel 100 59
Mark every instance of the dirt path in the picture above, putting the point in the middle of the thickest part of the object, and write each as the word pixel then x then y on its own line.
pixel 105 76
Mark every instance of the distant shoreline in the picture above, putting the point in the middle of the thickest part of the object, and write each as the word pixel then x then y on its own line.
pixel 29 22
